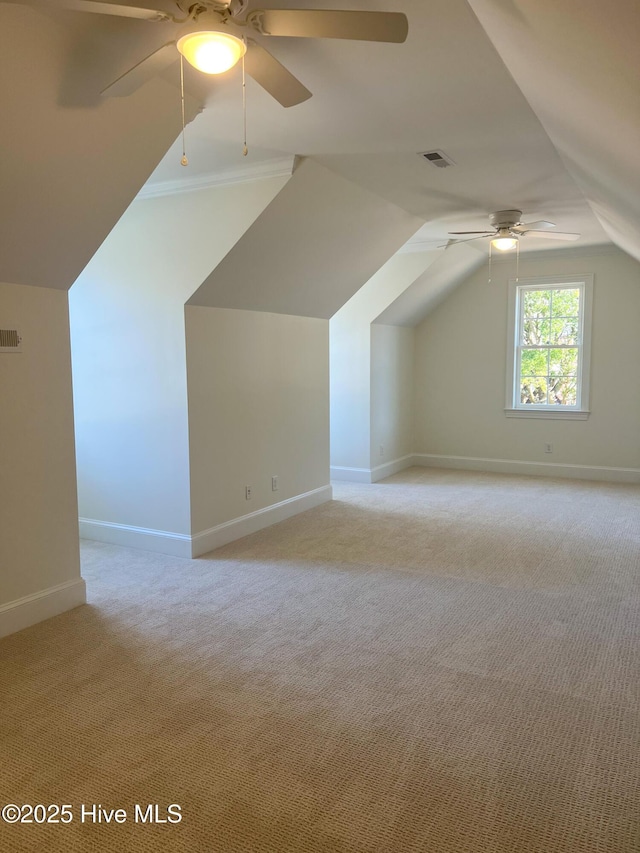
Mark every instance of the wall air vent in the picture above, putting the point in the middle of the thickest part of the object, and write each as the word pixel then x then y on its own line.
pixel 437 158
pixel 10 340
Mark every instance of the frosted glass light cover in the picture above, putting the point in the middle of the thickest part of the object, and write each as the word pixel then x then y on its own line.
pixel 211 52
pixel 504 243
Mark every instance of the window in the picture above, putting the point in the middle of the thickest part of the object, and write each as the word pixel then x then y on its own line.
pixel 549 337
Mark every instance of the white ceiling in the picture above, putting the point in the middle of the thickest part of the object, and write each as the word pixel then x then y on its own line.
pixel 69 168
pixel 578 64
pixel 374 106
pixel 311 258
pixel 561 144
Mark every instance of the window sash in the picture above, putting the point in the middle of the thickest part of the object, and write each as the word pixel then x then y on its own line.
pixel 521 290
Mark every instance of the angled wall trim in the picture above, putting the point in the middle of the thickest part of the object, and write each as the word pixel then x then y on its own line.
pixel 27 611
pixel 280 168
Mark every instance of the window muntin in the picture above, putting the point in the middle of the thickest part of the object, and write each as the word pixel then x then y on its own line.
pixel 549 344
pixel 549 352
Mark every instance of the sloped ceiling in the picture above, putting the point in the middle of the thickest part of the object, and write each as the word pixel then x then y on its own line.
pixel 311 249
pixel 446 272
pixel 578 64
pixel 375 106
pixel 501 85
pixel 70 166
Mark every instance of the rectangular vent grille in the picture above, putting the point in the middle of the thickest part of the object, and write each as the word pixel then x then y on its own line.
pixel 437 158
pixel 9 340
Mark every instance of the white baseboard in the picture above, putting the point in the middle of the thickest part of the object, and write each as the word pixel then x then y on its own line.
pixel 351 475
pixel 184 545
pixel 27 611
pixel 159 541
pixel 537 469
pixel 371 475
pixel 222 534
pixel 389 468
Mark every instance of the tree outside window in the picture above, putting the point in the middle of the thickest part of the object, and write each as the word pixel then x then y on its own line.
pixel 549 358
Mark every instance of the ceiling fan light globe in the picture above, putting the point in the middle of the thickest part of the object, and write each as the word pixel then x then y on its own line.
pixel 504 243
pixel 211 52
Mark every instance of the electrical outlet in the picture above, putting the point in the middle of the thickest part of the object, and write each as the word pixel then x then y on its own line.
pixel 274 484
pixel 548 448
pixel 382 450
pixel 247 492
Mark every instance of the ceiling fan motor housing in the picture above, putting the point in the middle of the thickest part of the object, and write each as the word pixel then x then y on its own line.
pixel 505 218
pixel 237 7
pixel 204 21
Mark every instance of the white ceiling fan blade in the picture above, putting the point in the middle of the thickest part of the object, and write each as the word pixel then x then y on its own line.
pixel 99 8
pixel 540 225
pixel 479 237
pixel 147 68
pixel 274 77
pixel 553 235
pixel 481 233
pixel 327 24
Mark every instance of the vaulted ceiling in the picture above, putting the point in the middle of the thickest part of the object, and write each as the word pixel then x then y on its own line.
pixel 535 101
pixel 482 81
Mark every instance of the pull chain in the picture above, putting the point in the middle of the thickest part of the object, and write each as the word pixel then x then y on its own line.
pixel 183 161
pixel 245 150
pixel 518 261
pixel 490 247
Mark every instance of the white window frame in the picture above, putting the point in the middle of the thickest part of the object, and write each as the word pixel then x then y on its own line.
pixel 514 408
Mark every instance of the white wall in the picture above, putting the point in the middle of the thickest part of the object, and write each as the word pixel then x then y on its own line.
pixel 39 558
pixel 258 388
pixel 128 348
pixel 392 414
pixel 447 270
pixel 350 351
pixel 596 130
pixel 319 241
pixel 76 158
pixel 350 368
pixel 461 363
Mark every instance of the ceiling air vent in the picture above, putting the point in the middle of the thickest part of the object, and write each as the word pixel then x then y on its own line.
pixel 10 340
pixel 437 158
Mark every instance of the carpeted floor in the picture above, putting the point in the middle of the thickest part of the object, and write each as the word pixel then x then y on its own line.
pixel 445 662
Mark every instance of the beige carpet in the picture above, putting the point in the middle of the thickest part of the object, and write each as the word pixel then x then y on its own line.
pixel 444 662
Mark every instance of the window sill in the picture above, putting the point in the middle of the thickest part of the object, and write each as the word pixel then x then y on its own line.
pixel 551 414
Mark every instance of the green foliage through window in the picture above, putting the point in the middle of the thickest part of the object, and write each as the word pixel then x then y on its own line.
pixel 549 346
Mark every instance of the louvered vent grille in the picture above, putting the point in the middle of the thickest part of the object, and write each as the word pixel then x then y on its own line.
pixel 9 340
pixel 437 158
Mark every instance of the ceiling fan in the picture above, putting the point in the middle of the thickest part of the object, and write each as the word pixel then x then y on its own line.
pixel 507 228
pixel 212 39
